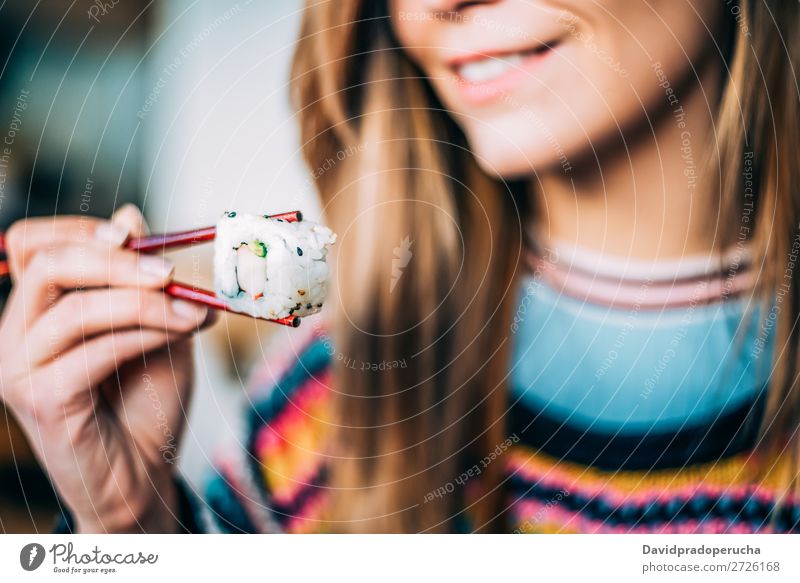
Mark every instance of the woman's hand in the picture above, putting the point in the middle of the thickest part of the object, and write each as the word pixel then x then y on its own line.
pixel 96 364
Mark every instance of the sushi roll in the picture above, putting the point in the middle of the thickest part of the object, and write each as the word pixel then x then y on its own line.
pixel 271 268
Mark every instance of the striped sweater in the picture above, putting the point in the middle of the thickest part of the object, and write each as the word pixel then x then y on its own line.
pixel 631 409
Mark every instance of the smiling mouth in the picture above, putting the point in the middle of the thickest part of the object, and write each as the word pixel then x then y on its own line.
pixel 490 68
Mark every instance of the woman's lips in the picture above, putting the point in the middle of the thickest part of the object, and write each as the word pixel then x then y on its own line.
pixel 487 77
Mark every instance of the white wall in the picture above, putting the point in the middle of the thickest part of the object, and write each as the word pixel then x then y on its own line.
pixel 219 135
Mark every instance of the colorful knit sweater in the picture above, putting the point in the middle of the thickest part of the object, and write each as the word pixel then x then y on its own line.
pixel 631 410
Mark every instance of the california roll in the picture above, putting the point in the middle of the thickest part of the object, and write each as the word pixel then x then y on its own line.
pixel 271 268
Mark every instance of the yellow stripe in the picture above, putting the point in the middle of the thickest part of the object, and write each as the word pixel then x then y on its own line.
pixel 742 469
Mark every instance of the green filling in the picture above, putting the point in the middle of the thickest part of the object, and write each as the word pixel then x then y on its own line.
pixel 258 248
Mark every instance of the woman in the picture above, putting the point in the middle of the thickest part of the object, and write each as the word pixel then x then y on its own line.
pixel 565 279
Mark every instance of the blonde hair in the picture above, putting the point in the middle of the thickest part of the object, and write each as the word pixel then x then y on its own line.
pixel 757 127
pixel 403 432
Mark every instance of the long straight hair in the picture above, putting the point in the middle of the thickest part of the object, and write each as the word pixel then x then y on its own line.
pixel 431 249
pixel 757 135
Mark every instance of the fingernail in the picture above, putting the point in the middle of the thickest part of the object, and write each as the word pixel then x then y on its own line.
pixel 130 215
pixel 189 310
pixel 126 208
pixel 157 266
pixel 116 234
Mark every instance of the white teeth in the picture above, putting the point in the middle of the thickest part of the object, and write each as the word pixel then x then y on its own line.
pixel 490 68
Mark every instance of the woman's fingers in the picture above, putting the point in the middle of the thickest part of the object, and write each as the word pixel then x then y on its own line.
pixel 82 315
pixel 55 270
pixel 62 389
pixel 24 239
pixel 96 359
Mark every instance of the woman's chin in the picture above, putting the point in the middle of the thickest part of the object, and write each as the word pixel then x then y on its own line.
pixel 502 165
pixel 515 157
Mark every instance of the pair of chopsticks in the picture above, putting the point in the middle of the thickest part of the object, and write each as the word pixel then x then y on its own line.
pixel 162 242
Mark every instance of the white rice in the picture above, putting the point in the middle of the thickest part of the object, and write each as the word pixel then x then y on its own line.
pixel 296 267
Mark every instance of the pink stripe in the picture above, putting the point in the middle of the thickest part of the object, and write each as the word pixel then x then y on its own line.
pixel 617 268
pixel 642 295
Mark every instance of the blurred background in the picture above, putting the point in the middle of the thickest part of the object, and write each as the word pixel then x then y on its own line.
pixel 179 106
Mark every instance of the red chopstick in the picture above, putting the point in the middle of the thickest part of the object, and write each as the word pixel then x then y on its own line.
pixel 180 290
pixel 197 295
pixel 207 298
pixel 183 238
pixel 163 241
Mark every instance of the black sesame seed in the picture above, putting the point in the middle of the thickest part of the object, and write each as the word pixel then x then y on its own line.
pixel 309 306
pixel 299 252
pixel 319 305
pixel 232 214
